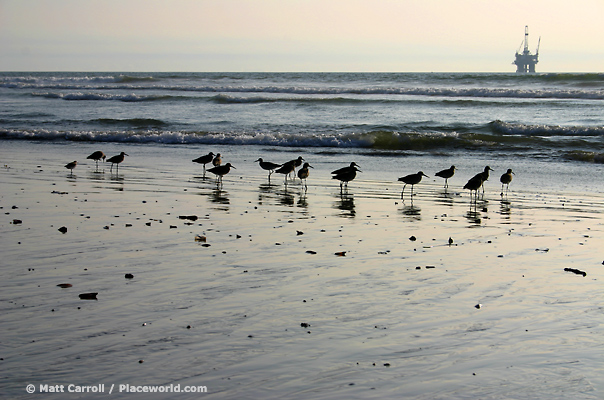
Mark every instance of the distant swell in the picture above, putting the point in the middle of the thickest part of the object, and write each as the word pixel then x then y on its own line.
pixel 100 96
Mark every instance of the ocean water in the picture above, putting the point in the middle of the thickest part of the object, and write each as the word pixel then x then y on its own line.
pixel 541 116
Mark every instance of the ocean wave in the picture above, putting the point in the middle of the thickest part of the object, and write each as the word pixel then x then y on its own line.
pixel 101 96
pixel 544 130
pixel 446 92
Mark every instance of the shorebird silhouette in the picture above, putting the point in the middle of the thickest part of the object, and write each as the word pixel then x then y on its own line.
pixel 505 180
pixel 116 160
pixel 304 172
pixel 346 174
pixel 268 166
pixel 485 176
pixel 289 167
pixel 221 170
pixel 96 156
pixel 71 166
pixel 474 184
pixel 446 173
pixel 412 180
pixel 204 160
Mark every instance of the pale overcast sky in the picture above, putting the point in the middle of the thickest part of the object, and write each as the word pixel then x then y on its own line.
pixel 298 35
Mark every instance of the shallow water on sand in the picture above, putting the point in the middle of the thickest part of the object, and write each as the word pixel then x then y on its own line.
pixel 391 318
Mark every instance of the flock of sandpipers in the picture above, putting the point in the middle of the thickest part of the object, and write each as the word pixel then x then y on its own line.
pixel 344 175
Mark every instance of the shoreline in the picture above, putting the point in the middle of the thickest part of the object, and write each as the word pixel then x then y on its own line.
pixel 228 313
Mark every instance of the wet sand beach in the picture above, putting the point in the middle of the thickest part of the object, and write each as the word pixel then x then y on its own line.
pixel 257 290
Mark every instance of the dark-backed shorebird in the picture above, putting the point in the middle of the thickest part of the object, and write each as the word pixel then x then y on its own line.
pixel 485 176
pixel 412 180
pixel 217 160
pixel 116 160
pixel 446 173
pixel 289 167
pixel 71 166
pixel 221 170
pixel 474 184
pixel 346 174
pixel 505 180
pixel 304 172
pixel 268 166
pixel 96 156
pixel 204 160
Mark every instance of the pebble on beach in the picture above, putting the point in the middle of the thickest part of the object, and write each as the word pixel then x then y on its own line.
pixel 88 296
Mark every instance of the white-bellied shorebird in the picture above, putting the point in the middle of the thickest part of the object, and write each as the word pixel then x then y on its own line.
pixel 412 179
pixel 221 170
pixel 304 172
pixel 70 166
pixel 346 174
pixel 268 166
pixel 116 160
pixel 204 160
pixel 505 180
pixel 96 156
pixel 446 173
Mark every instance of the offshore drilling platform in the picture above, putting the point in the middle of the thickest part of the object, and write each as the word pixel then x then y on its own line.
pixel 525 61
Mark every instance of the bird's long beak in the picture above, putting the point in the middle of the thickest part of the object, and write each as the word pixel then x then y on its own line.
pixel 311 166
pixel 425 175
pixel 127 154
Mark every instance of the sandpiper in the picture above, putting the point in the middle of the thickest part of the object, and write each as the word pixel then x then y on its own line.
pixel 446 173
pixel 412 180
pixel 116 160
pixel 204 160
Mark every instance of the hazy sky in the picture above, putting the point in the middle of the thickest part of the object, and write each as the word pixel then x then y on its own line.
pixel 298 35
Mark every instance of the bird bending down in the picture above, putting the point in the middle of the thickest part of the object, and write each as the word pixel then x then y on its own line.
pixel 304 172
pixel 221 170
pixel 116 160
pixel 346 174
pixel 204 160
pixel 96 156
pixel 446 173
pixel 71 166
pixel 268 166
pixel 505 180
pixel 412 180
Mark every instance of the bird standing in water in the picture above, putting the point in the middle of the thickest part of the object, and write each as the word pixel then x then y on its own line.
pixel 473 185
pixel 268 166
pixel 96 156
pixel 116 160
pixel 221 170
pixel 71 166
pixel 304 172
pixel 412 180
pixel 446 173
pixel 346 174
pixel 505 180
pixel 204 160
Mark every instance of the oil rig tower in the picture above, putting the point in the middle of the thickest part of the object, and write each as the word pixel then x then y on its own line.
pixel 525 61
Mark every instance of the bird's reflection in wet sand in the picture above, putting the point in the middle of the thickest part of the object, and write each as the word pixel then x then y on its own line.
pixel 505 208
pixel 412 212
pixel 476 211
pixel 345 203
